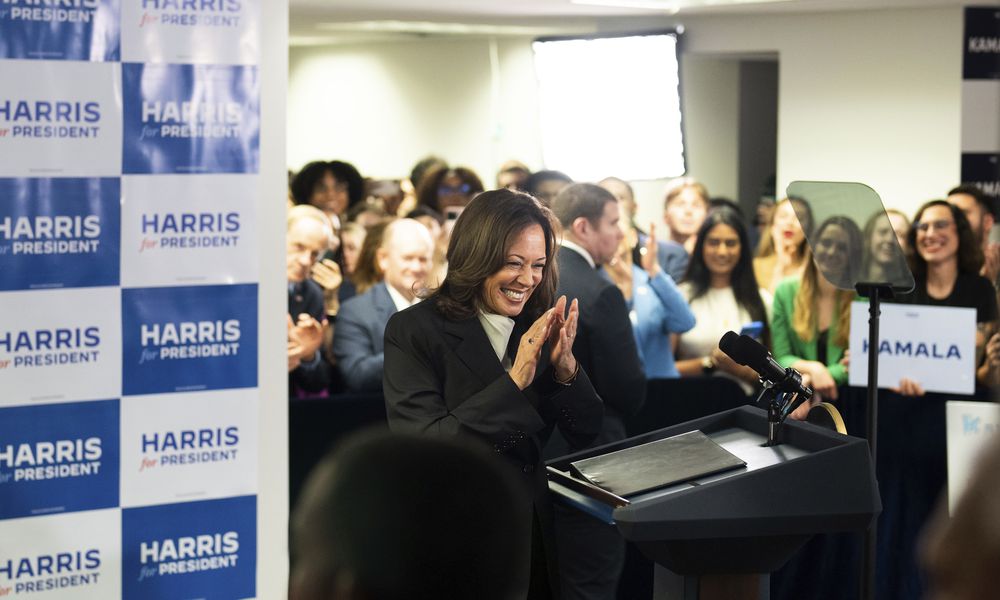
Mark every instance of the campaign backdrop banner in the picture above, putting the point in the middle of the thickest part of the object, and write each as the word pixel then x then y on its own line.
pixel 68 30
pixel 59 232
pixel 174 31
pixel 48 564
pixel 60 119
pixel 932 345
pixel 126 221
pixel 185 339
pixel 181 447
pixel 190 118
pixel 981 58
pixel 174 233
pixel 60 345
pixel 193 550
pixel 58 458
pixel 971 427
pixel 983 170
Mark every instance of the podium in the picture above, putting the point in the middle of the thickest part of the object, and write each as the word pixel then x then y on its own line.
pixel 721 535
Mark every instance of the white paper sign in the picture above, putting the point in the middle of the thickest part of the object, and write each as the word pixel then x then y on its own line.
pixel 60 346
pixel 932 345
pixel 75 555
pixel 60 119
pixel 167 31
pixel 183 230
pixel 192 446
pixel 971 426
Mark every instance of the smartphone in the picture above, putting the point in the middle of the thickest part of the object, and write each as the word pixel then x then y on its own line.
pixel 328 254
pixel 753 329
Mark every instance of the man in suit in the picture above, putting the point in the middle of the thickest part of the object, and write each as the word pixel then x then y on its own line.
pixel 405 259
pixel 591 553
pixel 672 257
pixel 308 234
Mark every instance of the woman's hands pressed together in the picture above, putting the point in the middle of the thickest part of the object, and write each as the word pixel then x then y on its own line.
pixel 562 330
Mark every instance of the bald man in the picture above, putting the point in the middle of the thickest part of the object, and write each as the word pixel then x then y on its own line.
pixel 405 260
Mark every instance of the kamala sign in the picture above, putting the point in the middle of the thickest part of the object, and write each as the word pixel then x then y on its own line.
pixel 932 345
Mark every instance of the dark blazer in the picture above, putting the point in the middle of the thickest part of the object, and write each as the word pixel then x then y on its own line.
pixel 604 346
pixel 307 297
pixel 357 339
pixel 442 378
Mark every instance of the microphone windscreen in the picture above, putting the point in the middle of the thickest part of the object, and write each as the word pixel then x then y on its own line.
pixel 730 344
pixel 752 351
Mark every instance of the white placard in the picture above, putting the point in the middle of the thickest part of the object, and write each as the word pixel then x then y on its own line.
pixel 184 230
pixel 185 447
pixel 60 119
pixel 75 555
pixel 932 345
pixel 971 426
pixel 167 31
pixel 60 346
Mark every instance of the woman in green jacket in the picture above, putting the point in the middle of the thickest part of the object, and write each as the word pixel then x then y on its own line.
pixel 811 318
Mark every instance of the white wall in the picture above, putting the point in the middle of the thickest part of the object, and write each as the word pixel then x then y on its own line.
pixel 272 499
pixel 870 96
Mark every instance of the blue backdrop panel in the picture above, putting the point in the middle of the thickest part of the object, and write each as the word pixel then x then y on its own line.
pixel 59 233
pixel 58 458
pixel 82 30
pixel 189 338
pixel 193 550
pixel 190 118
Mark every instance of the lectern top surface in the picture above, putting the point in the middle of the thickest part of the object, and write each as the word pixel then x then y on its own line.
pixel 746 445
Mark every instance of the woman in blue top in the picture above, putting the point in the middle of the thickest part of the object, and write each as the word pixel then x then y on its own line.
pixel 656 307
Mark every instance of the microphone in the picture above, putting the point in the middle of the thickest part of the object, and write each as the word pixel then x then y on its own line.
pixel 748 352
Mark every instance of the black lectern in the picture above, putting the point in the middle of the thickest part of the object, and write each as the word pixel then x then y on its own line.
pixel 722 533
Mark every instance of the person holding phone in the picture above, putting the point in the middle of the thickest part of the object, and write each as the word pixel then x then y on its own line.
pixel 487 358
pixel 722 291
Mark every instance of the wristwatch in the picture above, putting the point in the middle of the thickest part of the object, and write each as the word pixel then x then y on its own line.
pixel 707 365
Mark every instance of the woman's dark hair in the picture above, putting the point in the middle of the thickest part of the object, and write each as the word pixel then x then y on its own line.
pixel 425 211
pixel 304 182
pixel 345 172
pixel 427 193
pixel 537 178
pixel 970 254
pixel 483 235
pixel 742 279
pixel 426 165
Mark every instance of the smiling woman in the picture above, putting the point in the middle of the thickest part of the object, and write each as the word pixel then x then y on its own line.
pixel 484 359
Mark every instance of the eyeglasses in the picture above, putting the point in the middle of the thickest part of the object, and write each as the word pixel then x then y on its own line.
pixel 446 190
pixel 940 225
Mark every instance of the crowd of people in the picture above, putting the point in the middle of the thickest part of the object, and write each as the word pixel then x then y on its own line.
pixel 708 276
pixel 636 301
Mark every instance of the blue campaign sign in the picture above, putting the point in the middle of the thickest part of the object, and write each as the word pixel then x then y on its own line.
pixel 79 30
pixel 58 458
pixel 192 550
pixel 189 338
pixel 190 118
pixel 58 233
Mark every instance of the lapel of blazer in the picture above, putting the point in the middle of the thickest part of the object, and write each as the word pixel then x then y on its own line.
pixel 473 348
pixel 382 302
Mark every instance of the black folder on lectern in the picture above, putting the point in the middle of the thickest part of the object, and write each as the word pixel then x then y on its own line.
pixel 656 464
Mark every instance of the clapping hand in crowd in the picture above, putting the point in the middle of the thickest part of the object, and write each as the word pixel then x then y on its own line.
pixel 327 274
pixel 304 339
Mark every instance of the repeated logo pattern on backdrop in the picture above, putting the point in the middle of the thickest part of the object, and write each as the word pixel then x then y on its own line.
pixel 128 333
